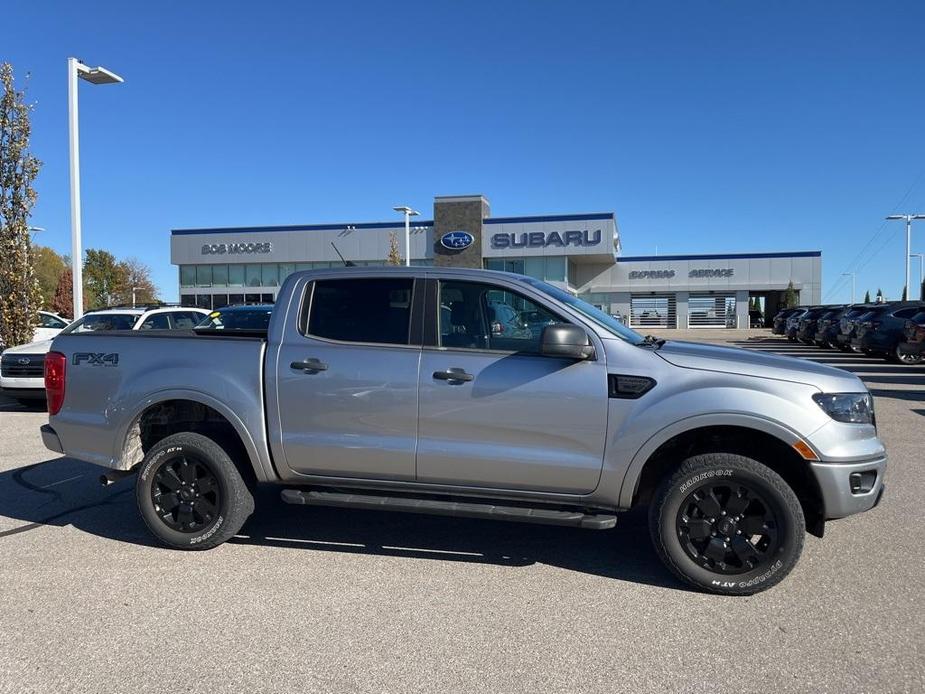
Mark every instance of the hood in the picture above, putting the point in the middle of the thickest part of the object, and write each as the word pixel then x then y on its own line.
pixel 746 362
pixel 39 347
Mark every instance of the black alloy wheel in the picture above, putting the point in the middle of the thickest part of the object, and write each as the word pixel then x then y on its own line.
pixel 902 357
pixel 728 528
pixel 186 494
pixel 190 493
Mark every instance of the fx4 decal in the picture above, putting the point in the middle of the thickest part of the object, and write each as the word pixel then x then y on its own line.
pixel 96 358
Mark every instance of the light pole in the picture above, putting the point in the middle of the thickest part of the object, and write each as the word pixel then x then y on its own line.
pixel 93 75
pixel 409 213
pixel 921 257
pixel 908 219
pixel 133 296
pixel 845 274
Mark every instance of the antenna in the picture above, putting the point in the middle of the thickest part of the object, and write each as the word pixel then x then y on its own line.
pixel 347 263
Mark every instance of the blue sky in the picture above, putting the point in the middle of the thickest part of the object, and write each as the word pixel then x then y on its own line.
pixel 706 126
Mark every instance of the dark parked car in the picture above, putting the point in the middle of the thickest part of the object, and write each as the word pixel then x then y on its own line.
pixel 238 318
pixel 779 323
pixel 912 348
pixel 806 328
pixel 882 329
pixel 848 323
pixel 827 326
pixel 793 322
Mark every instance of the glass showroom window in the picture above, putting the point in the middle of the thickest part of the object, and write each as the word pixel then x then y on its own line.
pixel 203 275
pixel 535 267
pixel 555 269
pixel 219 275
pixel 269 275
pixel 187 275
pixel 235 275
pixel 285 269
pixel 252 275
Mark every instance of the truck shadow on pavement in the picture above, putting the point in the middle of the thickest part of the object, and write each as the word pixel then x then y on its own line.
pixel 63 491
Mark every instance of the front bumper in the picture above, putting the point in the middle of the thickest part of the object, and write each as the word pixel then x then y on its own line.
pixel 849 488
pixel 36 394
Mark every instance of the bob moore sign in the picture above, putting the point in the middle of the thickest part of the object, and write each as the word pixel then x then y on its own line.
pixel 668 274
pixel 545 239
pixel 236 248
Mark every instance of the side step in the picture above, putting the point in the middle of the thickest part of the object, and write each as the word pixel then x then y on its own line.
pixel 575 519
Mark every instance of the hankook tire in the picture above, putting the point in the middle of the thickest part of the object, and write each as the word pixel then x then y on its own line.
pixel 727 524
pixel 190 494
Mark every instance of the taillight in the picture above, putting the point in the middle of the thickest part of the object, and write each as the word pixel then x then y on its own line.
pixel 55 366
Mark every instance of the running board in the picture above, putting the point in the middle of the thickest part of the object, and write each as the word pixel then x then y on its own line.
pixel 575 519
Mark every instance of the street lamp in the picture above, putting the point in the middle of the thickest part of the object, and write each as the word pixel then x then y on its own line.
pixel 845 274
pixel 93 75
pixel 921 257
pixel 409 213
pixel 908 219
pixel 35 230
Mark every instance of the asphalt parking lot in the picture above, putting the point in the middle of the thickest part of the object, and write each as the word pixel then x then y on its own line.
pixel 332 600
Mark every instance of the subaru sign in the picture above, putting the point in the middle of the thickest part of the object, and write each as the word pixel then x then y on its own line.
pixel 456 240
pixel 542 239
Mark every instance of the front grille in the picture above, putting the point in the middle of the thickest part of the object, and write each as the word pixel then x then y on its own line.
pixel 22 365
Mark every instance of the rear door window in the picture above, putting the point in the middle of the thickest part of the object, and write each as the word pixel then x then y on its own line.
pixel 369 310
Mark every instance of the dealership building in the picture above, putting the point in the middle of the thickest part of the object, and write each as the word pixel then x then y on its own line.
pixel 578 252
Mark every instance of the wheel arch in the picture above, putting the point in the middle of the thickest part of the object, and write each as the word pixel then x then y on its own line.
pixel 766 441
pixel 189 411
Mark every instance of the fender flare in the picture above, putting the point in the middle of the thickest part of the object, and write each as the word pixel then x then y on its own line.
pixel 746 421
pixel 261 465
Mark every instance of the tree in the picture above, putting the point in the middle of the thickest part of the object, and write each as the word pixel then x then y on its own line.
pixel 19 291
pixel 138 275
pixel 63 301
pixel 879 295
pixel 105 279
pixel 394 254
pixel 922 291
pixel 49 267
pixel 904 293
pixel 790 296
pixel 867 297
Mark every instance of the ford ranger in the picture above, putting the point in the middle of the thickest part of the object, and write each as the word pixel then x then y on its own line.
pixel 479 394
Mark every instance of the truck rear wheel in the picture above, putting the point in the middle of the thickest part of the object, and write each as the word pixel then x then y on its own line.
pixel 727 524
pixel 190 494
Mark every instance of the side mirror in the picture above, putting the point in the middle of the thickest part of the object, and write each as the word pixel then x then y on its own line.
pixel 565 340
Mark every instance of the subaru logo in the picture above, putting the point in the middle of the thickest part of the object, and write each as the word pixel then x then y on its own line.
pixel 456 240
pixel 24 361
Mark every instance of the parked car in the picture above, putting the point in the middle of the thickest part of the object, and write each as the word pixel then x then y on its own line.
pixel 779 323
pixel 48 325
pixel 827 326
pixel 913 344
pixel 882 330
pixel 793 322
pixel 366 394
pixel 847 325
pixel 247 317
pixel 21 368
pixel 806 328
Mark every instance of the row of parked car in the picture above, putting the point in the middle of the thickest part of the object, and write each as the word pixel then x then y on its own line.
pixel 893 330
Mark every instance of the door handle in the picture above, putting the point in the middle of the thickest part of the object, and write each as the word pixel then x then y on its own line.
pixel 454 374
pixel 309 365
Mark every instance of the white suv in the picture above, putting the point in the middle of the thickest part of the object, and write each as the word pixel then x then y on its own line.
pixel 22 368
pixel 46 327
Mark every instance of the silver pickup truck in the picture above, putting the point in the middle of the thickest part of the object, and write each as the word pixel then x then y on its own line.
pixel 479 394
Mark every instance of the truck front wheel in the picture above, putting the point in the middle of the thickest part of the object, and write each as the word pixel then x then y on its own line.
pixel 190 494
pixel 727 524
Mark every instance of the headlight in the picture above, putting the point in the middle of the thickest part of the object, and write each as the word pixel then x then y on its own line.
pixel 854 408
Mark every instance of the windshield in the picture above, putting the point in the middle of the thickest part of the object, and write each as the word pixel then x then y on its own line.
pixel 609 323
pixel 256 318
pixel 101 321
